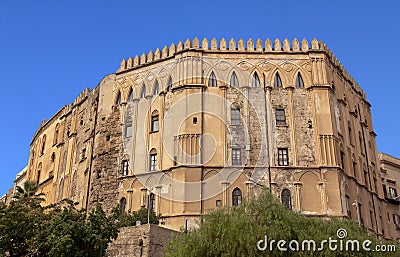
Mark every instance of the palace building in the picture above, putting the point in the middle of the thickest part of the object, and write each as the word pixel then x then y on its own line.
pixel 200 125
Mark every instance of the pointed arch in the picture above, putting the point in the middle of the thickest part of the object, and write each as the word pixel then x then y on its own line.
pixel 143 91
pixel 236 197
pixel 43 145
pixel 212 81
pixel 255 81
pixel 299 81
pixel 130 96
pixel 118 99
pixel 234 82
pixel 123 204
pixel 286 198
pixel 277 80
pixel 156 88
pixel 56 134
pixel 169 83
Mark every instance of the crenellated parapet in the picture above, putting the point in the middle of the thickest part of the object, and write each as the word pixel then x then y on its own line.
pixel 222 45
pixel 249 46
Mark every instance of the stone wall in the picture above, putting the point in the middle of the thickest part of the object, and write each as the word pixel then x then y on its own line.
pixel 140 241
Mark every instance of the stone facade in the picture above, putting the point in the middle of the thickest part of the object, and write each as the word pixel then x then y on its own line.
pixel 390 175
pixel 140 241
pixel 198 125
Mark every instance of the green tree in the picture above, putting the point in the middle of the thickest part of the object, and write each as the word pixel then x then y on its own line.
pixel 236 231
pixel 143 215
pixel 67 231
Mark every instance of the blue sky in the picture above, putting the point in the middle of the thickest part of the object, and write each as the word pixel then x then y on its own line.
pixel 51 50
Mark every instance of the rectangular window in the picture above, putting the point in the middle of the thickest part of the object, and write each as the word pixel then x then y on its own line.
pixel 348 206
pixel 236 156
pixel 342 159
pixel 235 116
pixel 384 191
pixel 283 158
pixel 153 162
pixel 154 123
pixel 280 117
pixel 125 168
pixel 392 192
pixel 366 178
pixel 218 203
pixel 128 130
pixel 396 220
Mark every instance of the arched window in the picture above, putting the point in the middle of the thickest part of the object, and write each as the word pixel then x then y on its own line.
pixel 118 100
pixel 169 84
pixel 234 80
pixel 39 170
pixel 299 81
pixel 236 197
pixel 43 145
pixel 235 115
pixel 143 91
pixel 56 133
pixel 255 82
pixel 212 81
pixel 286 199
pixel 153 160
pixel 277 81
pixel 154 121
pixel 156 88
pixel 123 204
pixel 130 97
pixel 152 201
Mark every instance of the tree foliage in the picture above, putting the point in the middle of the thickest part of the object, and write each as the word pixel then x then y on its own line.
pixel 143 215
pixel 28 229
pixel 236 231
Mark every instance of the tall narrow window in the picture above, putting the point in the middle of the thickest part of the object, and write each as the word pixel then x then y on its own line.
pixel 128 129
pixel 234 80
pixel 154 121
pixel 212 81
pixel 235 115
pixel 43 145
pixel 39 170
pixel 277 81
pixel 130 98
pixel 342 159
pixel 118 99
pixel 283 158
pixel 236 156
pixel 236 197
pixel 56 133
pixel 123 204
pixel 153 160
pixel 348 206
pixel 392 192
pixel 152 201
pixel 286 199
pixel 255 82
pixel 125 168
pixel 280 117
pixel 143 92
pixel 360 215
pixel 299 81
pixel 156 88
pixel 169 84
pixel 384 190
pixel 350 132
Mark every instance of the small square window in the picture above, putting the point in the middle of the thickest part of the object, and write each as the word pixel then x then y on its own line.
pixel 283 158
pixel 218 203
pixel 280 117
pixel 236 156
pixel 128 130
pixel 194 120
pixel 154 123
